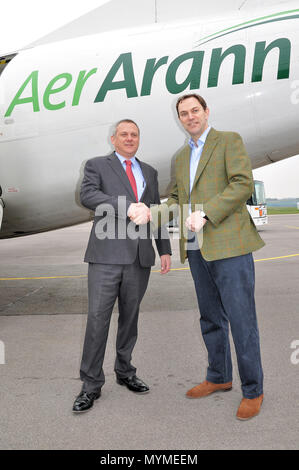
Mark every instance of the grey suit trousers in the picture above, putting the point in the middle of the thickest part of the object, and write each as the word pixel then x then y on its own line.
pixel 106 283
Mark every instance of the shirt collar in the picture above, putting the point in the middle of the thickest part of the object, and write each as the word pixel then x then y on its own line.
pixel 201 140
pixel 123 159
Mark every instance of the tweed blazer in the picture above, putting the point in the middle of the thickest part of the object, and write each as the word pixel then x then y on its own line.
pixel 222 185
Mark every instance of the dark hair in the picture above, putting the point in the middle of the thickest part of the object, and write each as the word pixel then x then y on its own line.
pixel 124 120
pixel 193 95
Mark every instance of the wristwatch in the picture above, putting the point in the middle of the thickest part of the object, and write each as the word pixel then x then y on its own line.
pixel 204 216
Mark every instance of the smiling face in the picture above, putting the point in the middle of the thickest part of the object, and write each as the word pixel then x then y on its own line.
pixel 193 117
pixel 126 139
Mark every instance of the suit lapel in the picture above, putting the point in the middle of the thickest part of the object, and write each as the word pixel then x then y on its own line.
pixel 209 146
pixel 118 168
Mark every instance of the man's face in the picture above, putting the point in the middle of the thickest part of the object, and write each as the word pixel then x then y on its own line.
pixel 126 139
pixel 193 117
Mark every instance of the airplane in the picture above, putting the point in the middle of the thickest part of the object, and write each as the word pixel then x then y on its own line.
pixel 60 95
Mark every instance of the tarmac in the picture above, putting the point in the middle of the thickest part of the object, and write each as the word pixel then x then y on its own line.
pixel 43 307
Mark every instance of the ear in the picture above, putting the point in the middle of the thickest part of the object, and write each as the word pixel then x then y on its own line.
pixel 112 139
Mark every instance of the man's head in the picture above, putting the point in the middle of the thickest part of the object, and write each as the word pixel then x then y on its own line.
pixel 194 114
pixel 125 138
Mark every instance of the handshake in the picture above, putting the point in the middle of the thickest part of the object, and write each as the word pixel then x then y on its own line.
pixel 139 213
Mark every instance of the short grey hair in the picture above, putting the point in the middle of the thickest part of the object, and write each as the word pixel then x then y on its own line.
pixel 114 128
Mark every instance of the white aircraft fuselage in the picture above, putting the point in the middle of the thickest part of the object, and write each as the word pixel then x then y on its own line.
pixel 58 102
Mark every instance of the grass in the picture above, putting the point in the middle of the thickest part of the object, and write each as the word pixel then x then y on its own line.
pixel 282 210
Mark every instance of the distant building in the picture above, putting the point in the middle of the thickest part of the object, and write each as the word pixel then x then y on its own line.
pixel 285 202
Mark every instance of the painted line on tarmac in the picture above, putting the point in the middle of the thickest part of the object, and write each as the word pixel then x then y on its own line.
pixel 154 271
pixel 292 226
pixel 256 260
pixel 277 257
pixel 41 277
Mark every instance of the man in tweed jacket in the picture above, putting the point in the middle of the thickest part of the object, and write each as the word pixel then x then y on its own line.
pixel 213 180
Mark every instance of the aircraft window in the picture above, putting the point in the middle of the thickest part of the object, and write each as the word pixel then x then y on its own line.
pixel 4 61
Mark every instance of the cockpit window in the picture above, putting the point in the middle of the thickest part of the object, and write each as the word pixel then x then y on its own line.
pixel 4 61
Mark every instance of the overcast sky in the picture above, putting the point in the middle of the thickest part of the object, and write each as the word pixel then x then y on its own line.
pixel 22 22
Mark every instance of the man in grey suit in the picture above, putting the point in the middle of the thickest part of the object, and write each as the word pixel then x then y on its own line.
pixel 120 258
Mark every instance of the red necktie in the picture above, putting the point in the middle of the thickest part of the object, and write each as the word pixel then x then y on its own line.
pixel 131 177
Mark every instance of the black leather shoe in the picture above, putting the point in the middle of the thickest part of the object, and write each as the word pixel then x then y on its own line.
pixel 134 384
pixel 84 401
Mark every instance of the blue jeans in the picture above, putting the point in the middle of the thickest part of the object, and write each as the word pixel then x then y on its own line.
pixel 225 294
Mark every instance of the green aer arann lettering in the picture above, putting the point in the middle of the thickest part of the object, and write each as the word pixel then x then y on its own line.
pixel 191 61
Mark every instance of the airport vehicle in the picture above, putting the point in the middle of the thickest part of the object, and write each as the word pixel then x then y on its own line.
pixel 60 96
pixel 256 205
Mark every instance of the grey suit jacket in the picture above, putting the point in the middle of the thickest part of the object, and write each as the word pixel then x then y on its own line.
pixel 106 190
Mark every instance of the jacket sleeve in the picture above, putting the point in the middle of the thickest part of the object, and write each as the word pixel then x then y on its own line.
pixel 92 196
pixel 161 234
pixel 240 182
pixel 166 212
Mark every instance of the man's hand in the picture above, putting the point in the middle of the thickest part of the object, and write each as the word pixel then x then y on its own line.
pixel 165 264
pixel 139 213
pixel 195 222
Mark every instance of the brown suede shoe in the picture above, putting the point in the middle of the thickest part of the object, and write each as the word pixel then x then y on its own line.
pixel 249 407
pixel 206 388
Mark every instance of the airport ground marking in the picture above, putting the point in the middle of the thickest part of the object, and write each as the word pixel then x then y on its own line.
pixel 277 257
pixel 292 226
pixel 41 277
pixel 154 271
